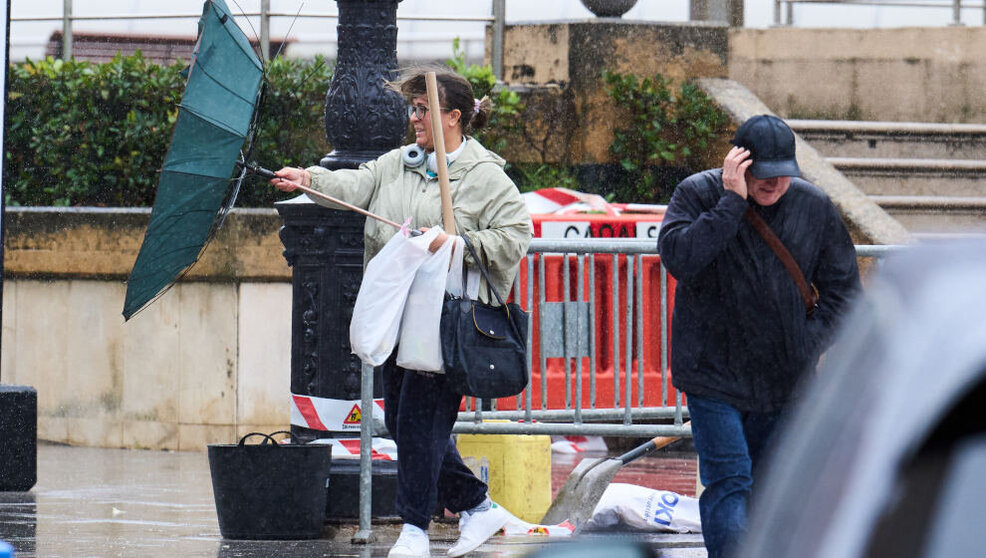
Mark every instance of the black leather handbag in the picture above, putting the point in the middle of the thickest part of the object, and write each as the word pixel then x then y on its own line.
pixel 484 347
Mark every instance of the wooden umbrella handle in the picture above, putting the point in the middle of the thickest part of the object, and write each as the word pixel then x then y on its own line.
pixel 435 113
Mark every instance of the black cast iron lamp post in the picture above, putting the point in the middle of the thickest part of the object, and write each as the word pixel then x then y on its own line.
pixel 363 120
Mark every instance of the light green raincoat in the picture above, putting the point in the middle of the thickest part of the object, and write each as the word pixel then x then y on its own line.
pixel 488 207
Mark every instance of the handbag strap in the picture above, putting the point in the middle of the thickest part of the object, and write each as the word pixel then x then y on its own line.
pixel 489 283
pixel 482 269
pixel 809 296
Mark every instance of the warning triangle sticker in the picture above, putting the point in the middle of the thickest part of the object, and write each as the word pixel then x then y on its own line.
pixel 355 416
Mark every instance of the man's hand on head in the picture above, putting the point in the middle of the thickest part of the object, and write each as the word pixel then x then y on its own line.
pixel 734 170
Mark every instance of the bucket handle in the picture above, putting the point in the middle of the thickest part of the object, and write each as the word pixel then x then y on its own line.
pixel 268 438
pixel 266 441
pixel 272 434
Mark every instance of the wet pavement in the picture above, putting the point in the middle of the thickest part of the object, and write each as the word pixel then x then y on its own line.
pixel 105 502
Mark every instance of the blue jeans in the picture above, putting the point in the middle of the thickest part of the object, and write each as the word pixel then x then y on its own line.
pixel 731 446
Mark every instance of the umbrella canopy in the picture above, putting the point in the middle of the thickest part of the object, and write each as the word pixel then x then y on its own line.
pixel 215 118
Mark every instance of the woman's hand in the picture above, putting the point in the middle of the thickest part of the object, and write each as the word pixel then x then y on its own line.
pixel 288 178
pixel 438 240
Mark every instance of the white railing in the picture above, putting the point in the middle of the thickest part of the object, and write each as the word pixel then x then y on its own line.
pixel 496 19
pixel 784 9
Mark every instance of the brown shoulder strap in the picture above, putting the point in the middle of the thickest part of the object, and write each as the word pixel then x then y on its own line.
pixel 808 294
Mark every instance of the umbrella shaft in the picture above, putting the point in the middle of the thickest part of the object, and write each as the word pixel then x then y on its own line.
pixel 337 201
pixel 261 171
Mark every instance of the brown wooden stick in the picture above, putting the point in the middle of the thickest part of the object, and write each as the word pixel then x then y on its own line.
pixel 435 112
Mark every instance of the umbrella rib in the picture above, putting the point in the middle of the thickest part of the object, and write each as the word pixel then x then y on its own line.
pixel 175 249
pixel 205 71
pixel 168 253
pixel 216 123
pixel 168 221
pixel 179 276
pixel 250 54
pixel 174 215
pixel 186 173
pixel 288 34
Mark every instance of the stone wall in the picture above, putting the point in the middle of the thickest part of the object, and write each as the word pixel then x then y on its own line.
pixel 558 67
pixel 932 74
pixel 205 363
pixel 927 74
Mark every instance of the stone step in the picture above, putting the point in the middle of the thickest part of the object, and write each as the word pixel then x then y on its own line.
pixel 914 177
pixel 937 215
pixel 924 140
pixel 930 177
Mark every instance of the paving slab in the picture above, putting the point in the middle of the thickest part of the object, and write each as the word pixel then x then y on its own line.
pixel 92 502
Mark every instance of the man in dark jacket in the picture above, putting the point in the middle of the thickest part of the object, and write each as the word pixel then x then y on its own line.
pixel 742 335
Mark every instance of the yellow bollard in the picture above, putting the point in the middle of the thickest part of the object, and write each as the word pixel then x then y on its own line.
pixel 517 468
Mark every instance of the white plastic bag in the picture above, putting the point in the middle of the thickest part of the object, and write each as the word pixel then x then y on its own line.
pixel 454 283
pixel 518 527
pixel 383 293
pixel 628 507
pixel 577 444
pixel 420 346
pixel 645 509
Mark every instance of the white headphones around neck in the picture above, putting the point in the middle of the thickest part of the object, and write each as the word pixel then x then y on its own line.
pixel 413 156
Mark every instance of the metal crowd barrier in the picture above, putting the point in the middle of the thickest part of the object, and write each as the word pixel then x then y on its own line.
pixel 567 329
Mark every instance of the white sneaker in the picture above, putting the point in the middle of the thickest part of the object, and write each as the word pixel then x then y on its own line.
pixel 413 543
pixel 476 528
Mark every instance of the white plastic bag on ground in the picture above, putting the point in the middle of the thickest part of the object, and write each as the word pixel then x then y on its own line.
pixel 627 507
pixel 420 346
pixel 517 526
pixel 577 444
pixel 383 293
pixel 645 509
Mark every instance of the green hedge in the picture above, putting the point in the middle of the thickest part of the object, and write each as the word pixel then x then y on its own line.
pixel 661 128
pixel 80 133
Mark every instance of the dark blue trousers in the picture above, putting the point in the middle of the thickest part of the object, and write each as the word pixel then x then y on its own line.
pixel 731 446
pixel 419 412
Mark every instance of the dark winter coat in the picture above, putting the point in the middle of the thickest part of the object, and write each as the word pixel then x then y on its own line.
pixel 740 332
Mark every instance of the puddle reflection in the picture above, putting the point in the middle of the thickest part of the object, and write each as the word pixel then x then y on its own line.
pixel 257 549
pixel 19 521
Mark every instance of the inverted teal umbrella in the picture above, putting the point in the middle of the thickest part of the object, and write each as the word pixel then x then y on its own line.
pixel 216 120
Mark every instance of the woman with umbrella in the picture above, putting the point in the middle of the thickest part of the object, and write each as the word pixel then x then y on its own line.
pixel 488 209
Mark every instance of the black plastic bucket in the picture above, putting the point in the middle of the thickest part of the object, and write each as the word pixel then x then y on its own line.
pixel 343 496
pixel 269 490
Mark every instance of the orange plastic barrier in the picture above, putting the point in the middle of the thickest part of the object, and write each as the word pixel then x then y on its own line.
pixel 591 225
pixel 602 226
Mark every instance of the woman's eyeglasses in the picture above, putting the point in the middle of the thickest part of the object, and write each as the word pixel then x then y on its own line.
pixel 418 110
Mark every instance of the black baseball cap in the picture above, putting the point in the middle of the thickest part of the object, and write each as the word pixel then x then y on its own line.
pixel 771 145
